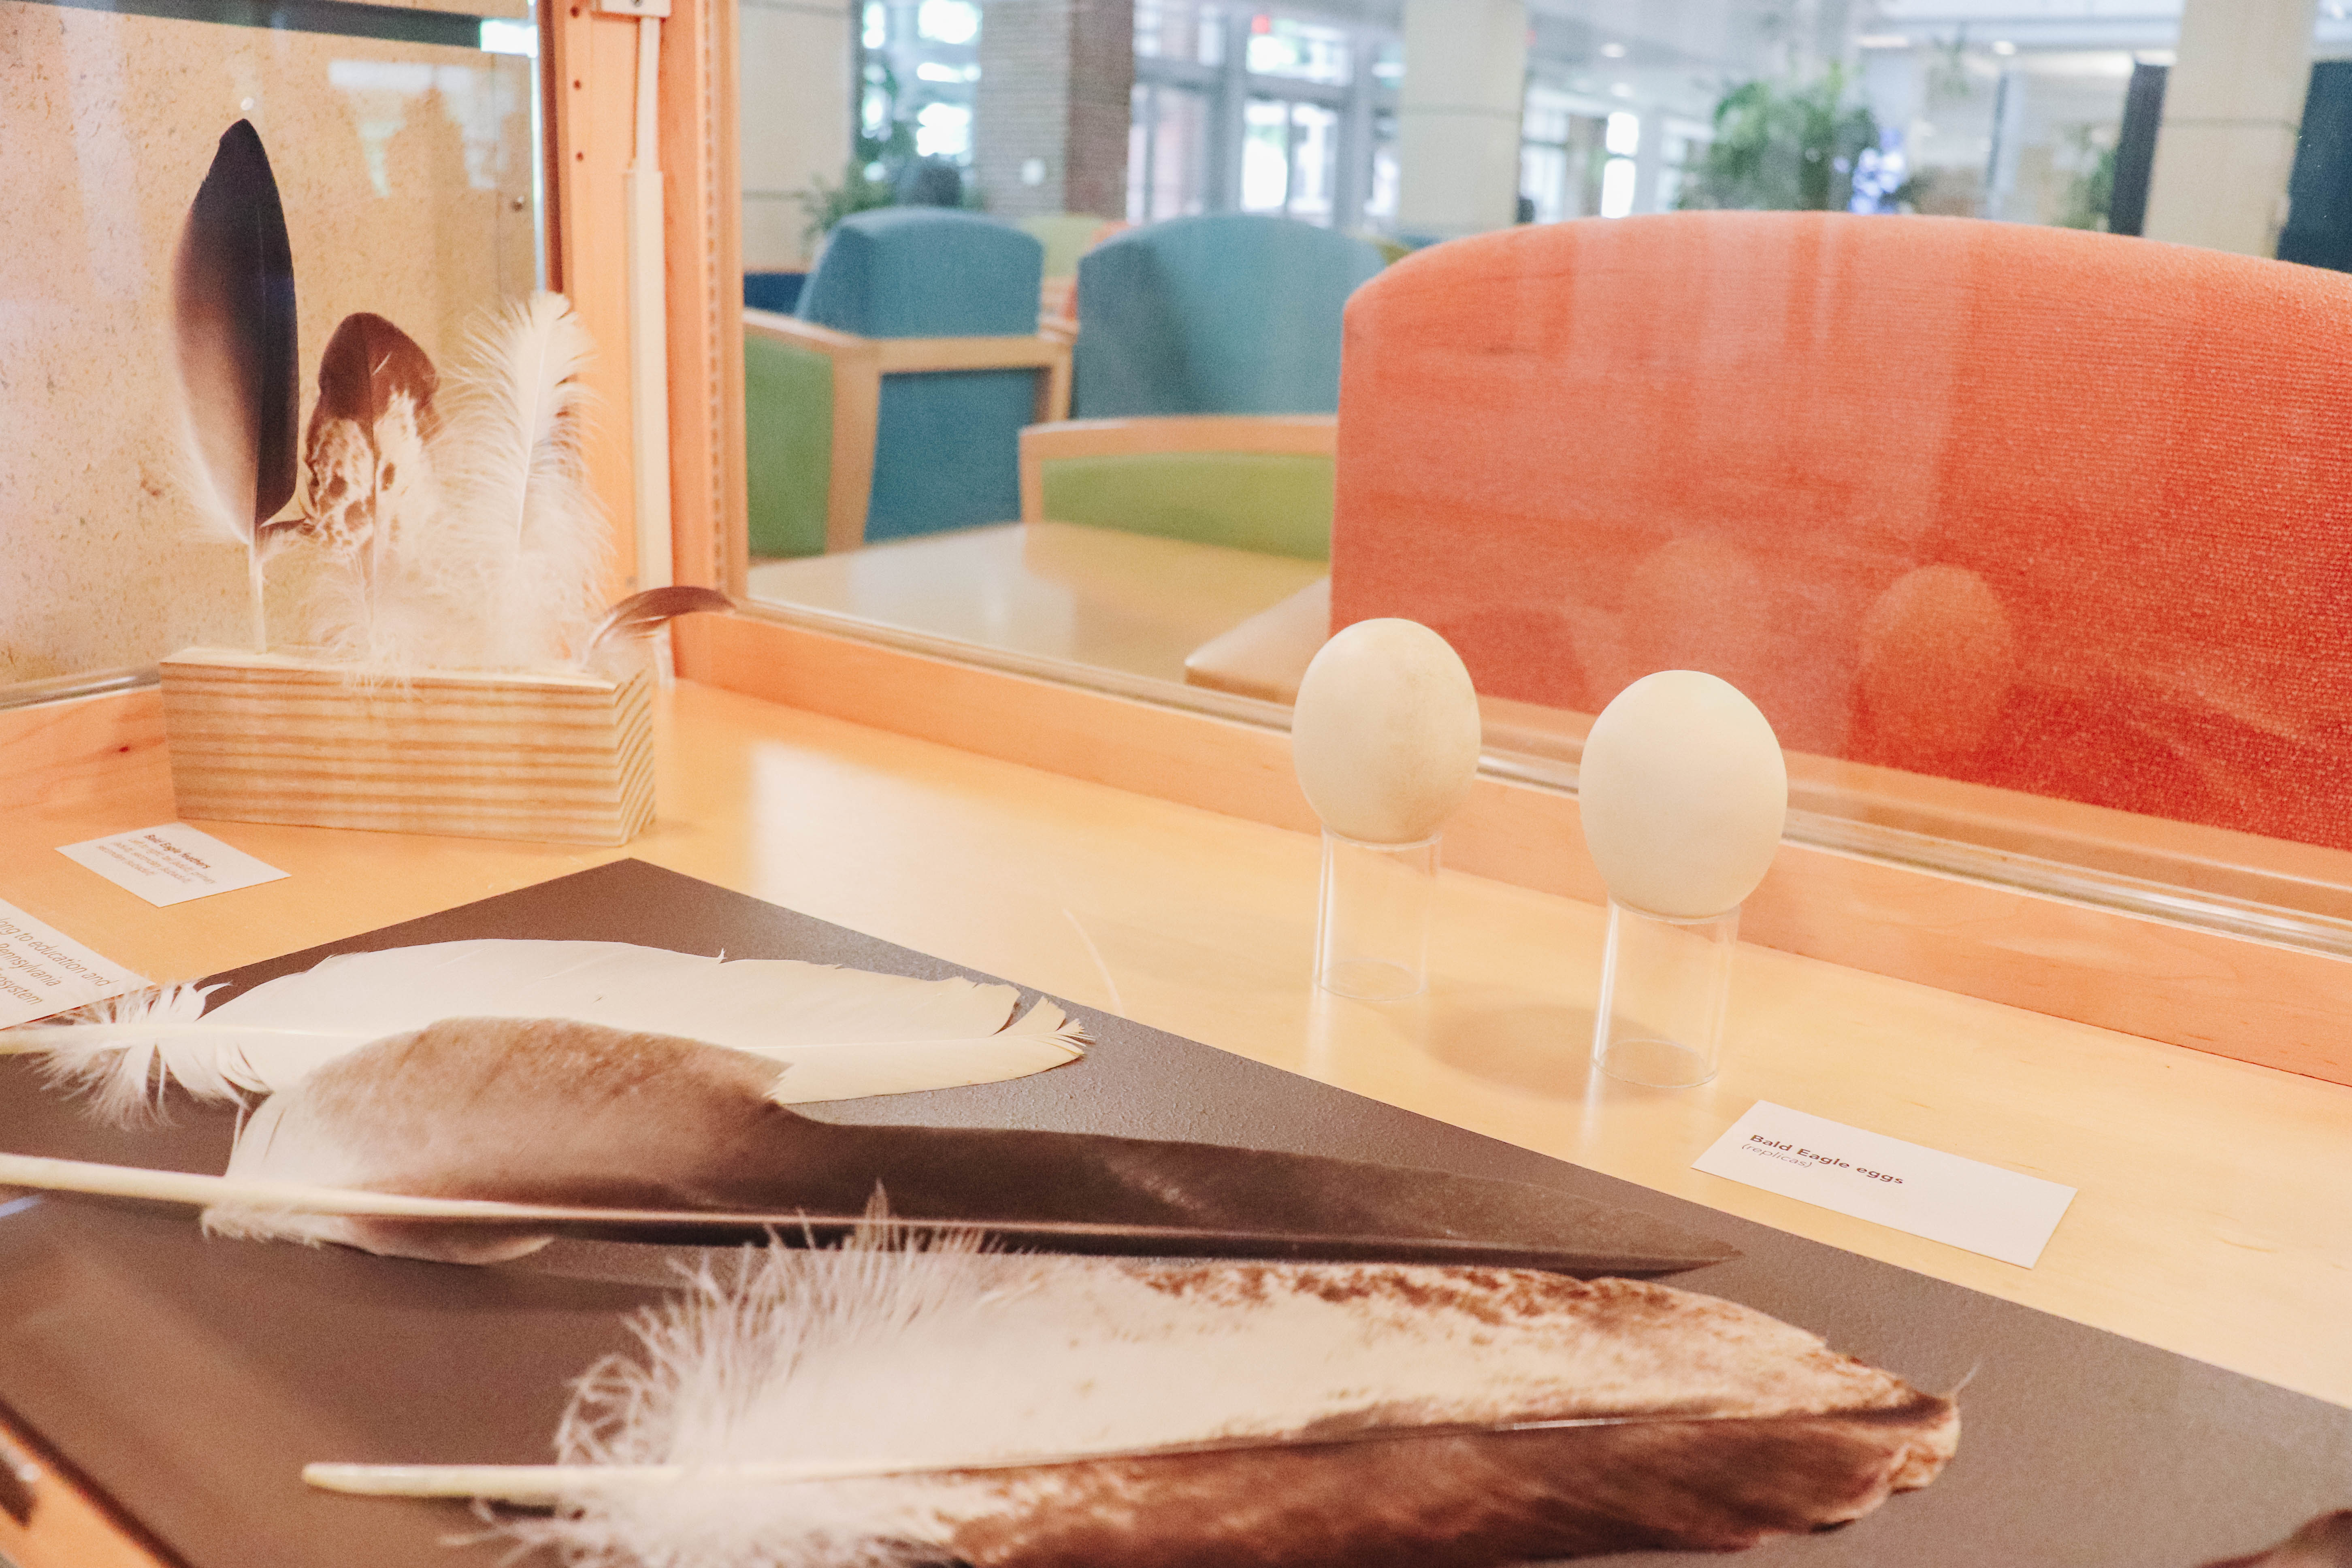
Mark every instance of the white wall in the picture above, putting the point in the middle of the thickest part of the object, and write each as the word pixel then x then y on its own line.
pixel 795 119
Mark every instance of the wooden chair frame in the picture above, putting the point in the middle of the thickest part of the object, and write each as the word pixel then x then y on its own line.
pixel 858 366
pixel 1304 435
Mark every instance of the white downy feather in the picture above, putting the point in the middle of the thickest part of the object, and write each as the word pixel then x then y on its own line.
pixel 522 520
pixel 108 1051
pixel 837 1033
pixel 408 595
pixel 913 1371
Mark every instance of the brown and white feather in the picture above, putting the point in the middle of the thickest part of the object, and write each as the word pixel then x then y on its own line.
pixel 1359 1415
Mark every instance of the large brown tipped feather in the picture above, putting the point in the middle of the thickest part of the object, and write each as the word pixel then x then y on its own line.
pixel 234 326
pixel 843 1411
pixel 561 1113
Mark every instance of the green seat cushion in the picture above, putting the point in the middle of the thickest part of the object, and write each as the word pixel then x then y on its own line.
pixel 1065 236
pixel 787 444
pixel 1275 502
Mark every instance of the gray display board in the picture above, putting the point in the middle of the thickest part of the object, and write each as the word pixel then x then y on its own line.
pixel 186 1381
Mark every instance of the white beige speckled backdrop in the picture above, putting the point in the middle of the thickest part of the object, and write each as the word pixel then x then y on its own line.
pixel 405 169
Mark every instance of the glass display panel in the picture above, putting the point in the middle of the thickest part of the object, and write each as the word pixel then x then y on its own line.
pixel 1167 158
pixel 2033 713
pixel 402 143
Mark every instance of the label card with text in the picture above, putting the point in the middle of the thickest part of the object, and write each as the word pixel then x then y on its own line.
pixel 44 971
pixel 171 864
pixel 1871 1176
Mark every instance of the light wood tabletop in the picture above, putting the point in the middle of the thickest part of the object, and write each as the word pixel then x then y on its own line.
pixel 2215 1210
pixel 1096 596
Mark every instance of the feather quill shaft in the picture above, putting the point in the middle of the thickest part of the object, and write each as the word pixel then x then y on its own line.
pixel 543 1485
pixel 1081 1412
pixel 235 354
pixel 497 1221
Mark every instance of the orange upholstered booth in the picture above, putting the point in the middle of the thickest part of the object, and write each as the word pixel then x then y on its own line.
pixel 2058 511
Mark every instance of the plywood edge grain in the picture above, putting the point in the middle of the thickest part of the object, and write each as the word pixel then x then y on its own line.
pixel 2270 1004
pixel 559 757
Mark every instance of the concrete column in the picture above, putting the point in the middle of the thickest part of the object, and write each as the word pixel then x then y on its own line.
pixel 1465 66
pixel 1056 78
pixel 794 57
pixel 1228 117
pixel 2233 107
pixel 1351 187
pixel 1650 161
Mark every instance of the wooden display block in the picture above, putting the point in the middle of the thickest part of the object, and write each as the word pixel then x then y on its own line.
pixel 265 737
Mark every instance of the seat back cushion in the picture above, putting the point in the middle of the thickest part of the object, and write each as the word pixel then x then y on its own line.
pixel 947 442
pixel 2063 512
pixel 1227 313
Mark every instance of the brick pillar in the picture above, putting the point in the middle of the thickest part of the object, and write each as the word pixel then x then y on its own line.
pixel 1053 99
pixel 1102 89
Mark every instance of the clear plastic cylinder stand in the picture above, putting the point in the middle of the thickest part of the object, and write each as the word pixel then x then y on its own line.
pixel 1665 987
pixel 1371 935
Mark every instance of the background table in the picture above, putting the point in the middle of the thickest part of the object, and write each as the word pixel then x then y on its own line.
pixel 1095 596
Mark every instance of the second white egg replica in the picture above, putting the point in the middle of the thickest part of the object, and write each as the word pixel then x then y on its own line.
pixel 1683 794
pixel 1385 733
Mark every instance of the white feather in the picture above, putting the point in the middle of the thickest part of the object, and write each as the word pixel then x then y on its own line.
pixel 917 1371
pixel 111 1050
pixel 522 517
pixel 838 1033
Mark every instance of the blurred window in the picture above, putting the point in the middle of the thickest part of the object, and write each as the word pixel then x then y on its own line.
pixel 1304 51
pixel 948 21
pixel 1243 109
pixel 1166 154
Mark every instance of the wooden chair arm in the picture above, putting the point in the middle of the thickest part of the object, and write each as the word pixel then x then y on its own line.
pixel 783 329
pixel 1046 351
pixel 1031 351
pixel 1308 435
pixel 858 365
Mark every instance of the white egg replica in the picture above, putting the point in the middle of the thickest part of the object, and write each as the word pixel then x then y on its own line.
pixel 1385 733
pixel 1683 794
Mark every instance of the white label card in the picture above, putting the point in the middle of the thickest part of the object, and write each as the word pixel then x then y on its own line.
pixel 44 971
pixel 171 864
pixel 1871 1176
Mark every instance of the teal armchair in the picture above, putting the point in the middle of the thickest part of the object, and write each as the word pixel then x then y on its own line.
pixel 1227 313
pixel 889 404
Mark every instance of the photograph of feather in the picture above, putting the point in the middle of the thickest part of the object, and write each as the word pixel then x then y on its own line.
pixel 438 565
pixel 892 1404
pixel 447 522
pixel 466 1102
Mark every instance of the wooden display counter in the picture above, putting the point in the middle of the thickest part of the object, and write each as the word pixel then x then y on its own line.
pixel 2210 1222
